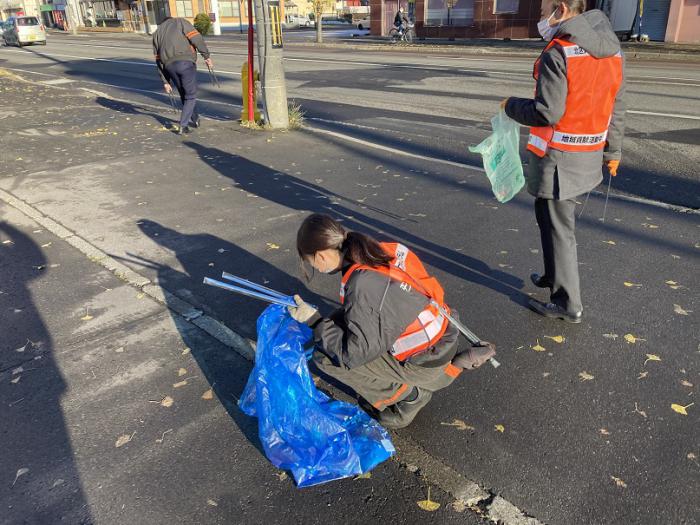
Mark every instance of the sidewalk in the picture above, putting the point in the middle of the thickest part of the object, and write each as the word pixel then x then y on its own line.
pixel 575 427
pixel 118 409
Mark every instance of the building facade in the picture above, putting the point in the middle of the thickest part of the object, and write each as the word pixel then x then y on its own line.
pixel 669 20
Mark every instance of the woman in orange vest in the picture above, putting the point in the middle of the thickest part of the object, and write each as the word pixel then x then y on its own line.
pixel 389 340
pixel 576 124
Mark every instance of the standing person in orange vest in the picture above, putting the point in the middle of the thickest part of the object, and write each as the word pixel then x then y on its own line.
pixel 388 341
pixel 576 124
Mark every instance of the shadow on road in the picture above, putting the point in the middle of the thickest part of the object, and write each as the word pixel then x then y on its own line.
pixel 297 194
pixel 34 434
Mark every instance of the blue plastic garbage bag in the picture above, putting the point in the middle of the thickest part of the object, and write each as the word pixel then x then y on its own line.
pixel 301 429
pixel 502 158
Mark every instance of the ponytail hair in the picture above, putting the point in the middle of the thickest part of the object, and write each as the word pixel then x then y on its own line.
pixel 320 232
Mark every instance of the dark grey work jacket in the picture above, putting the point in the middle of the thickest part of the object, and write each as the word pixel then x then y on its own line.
pixel 177 39
pixel 564 174
pixel 376 311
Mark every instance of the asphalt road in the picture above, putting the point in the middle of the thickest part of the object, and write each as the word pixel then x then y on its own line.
pixel 588 432
pixel 433 104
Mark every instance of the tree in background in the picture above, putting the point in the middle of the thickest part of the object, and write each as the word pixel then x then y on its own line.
pixel 202 23
pixel 319 7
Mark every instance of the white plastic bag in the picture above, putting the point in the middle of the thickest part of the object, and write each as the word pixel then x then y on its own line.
pixel 502 158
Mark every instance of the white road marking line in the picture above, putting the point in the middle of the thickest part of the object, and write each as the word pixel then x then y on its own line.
pixel 670 115
pixel 144 64
pixel 57 81
pixel 662 83
pixel 388 149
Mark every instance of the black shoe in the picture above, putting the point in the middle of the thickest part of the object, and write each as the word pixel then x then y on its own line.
pixel 195 123
pixel 554 311
pixel 403 413
pixel 541 281
pixel 183 131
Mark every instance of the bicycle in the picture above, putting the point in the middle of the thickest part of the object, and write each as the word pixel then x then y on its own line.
pixel 406 37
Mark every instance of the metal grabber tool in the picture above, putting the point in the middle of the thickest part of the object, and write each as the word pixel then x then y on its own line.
pixel 251 289
pixel 213 77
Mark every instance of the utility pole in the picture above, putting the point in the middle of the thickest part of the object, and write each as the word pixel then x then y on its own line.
pixel 214 4
pixel 274 90
pixel 72 12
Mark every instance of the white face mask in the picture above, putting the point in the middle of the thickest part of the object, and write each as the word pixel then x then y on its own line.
pixel 545 29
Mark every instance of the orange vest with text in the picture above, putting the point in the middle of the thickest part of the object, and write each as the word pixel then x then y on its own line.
pixel 593 84
pixel 407 269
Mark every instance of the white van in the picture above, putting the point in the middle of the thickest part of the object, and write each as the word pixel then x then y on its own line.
pixel 23 30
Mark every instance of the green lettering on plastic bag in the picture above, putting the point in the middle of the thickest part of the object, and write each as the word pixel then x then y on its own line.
pixel 501 157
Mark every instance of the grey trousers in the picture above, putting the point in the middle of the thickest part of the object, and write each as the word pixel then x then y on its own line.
pixel 386 381
pixel 557 222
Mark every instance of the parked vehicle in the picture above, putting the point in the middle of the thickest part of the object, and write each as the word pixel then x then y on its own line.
pixel 23 30
pixel 363 23
pixel 299 21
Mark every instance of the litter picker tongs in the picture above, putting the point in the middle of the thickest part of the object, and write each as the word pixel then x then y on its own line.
pixel 171 97
pixel 251 289
pixel 212 77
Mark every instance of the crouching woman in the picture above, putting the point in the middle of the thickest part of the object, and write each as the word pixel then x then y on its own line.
pixel 389 341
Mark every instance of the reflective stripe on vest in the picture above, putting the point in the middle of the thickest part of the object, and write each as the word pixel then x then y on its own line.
pixel 407 269
pixel 592 85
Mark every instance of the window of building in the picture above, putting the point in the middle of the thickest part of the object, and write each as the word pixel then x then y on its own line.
pixel 184 8
pixel 449 12
pixel 501 7
pixel 228 8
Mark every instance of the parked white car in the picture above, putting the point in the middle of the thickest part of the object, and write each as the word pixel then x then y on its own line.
pixel 363 23
pixel 23 30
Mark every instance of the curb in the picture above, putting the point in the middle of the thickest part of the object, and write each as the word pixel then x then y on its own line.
pixel 415 459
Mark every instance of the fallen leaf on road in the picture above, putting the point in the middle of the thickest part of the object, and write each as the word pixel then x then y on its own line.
pixel 17 370
pixel 428 504
pixel 181 372
pixel 22 348
pixel 610 336
pixel 652 357
pixel 585 376
pixel 642 375
pixel 46 245
pixel 458 423
pixel 613 243
pixel 16 380
pixel 499 428
pixel 212 503
pixel 21 472
pixel 167 401
pixel 272 246
pixel 538 347
pixel 681 409
pixel 686 383
pixel 691 456
pixel 632 285
pixel 556 338
pixel 619 482
pixel 123 440
pixel 631 339
pixel 640 412
pixel 650 226
pixel 366 475
pixel 209 394
pixel 680 311
pixel 282 476
pixel 605 431
pixel 185 351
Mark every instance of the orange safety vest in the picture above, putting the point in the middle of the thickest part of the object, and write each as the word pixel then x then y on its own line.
pixel 593 84
pixel 407 269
